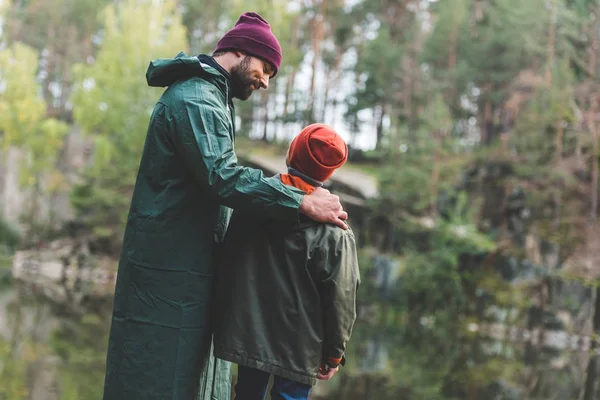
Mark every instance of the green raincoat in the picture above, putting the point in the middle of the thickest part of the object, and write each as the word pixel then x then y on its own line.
pixel 160 338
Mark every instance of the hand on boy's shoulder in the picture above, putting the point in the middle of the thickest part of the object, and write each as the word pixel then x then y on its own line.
pixel 336 231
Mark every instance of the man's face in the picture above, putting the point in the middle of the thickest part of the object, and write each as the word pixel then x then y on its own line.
pixel 248 75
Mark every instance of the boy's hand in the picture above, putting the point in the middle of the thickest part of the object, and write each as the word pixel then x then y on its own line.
pixel 326 373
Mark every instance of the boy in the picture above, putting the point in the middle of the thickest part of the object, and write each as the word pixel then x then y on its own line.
pixel 287 291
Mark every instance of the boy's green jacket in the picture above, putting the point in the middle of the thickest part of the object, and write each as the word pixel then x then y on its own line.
pixel 286 295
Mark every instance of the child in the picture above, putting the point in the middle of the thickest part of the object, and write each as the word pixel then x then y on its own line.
pixel 286 292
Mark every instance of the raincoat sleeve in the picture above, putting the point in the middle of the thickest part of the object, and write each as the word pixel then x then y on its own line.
pixel 340 279
pixel 202 137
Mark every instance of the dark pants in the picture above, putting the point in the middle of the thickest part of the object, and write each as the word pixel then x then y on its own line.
pixel 252 385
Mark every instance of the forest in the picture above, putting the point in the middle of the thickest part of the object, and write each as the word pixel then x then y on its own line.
pixel 477 119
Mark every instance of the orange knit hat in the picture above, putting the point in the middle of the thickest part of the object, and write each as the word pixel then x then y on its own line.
pixel 317 151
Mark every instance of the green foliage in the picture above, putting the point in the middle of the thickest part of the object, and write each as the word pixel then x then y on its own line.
pixel 432 243
pixel 505 42
pixel 9 240
pixel 204 21
pixel 21 109
pixel 432 284
pixel 81 346
pixel 61 17
pixel 113 103
pixel 9 236
pixel 430 361
pixel 405 188
pixel 436 117
pixel 426 78
pixel 433 280
pixel 24 125
pixel 550 107
pixel 62 32
pixel 379 62
pixel 13 374
pixel 452 24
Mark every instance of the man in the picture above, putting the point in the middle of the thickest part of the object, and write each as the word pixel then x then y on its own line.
pixel 286 291
pixel 161 329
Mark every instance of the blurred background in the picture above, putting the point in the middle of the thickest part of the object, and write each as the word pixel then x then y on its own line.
pixel 472 184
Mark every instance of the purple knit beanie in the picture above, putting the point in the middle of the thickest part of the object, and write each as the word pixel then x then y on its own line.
pixel 252 35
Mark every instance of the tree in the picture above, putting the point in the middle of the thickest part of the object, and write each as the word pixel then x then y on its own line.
pixel 204 21
pixel 380 64
pixel 443 51
pixel 504 42
pixel 541 129
pixel 61 31
pixel 24 125
pixel 388 76
pixel 112 103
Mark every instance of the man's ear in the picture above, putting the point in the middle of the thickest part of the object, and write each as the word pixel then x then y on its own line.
pixel 238 54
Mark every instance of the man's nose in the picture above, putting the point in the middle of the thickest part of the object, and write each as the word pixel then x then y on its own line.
pixel 264 82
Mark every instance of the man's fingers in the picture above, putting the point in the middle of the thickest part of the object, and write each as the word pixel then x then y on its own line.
pixel 341 223
pixel 322 206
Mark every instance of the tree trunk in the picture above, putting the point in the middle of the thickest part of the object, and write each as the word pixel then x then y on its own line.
pixel 595 155
pixel 407 94
pixel 50 69
pixel 435 173
pixel 559 142
pixel 592 121
pixel 452 48
pixel 289 86
pixel 551 43
pixel 328 81
pixel 488 121
pixel 594 188
pixel 317 38
pixel 379 115
pixel 592 369
pixel 335 84
pixel 416 49
pixel 265 105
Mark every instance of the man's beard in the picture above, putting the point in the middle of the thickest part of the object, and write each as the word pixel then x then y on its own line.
pixel 242 79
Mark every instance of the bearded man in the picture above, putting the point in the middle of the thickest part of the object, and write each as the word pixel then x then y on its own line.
pixel 188 182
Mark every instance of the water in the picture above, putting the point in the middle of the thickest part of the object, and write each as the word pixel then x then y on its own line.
pixel 53 342
pixel 49 350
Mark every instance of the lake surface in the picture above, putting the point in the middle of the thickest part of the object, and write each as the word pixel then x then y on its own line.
pixel 53 341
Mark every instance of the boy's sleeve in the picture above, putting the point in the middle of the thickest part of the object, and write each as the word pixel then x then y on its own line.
pixel 340 279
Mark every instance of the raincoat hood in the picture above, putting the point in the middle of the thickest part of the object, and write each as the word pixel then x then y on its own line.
pixel 164 72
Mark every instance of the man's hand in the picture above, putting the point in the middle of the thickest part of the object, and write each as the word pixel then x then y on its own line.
pixel 322 206
pixel 326 373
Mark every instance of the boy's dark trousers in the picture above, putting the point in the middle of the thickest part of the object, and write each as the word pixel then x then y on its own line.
pixel 252 385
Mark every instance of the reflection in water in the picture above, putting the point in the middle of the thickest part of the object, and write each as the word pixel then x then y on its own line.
pixel 424 363
pixel 50 350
